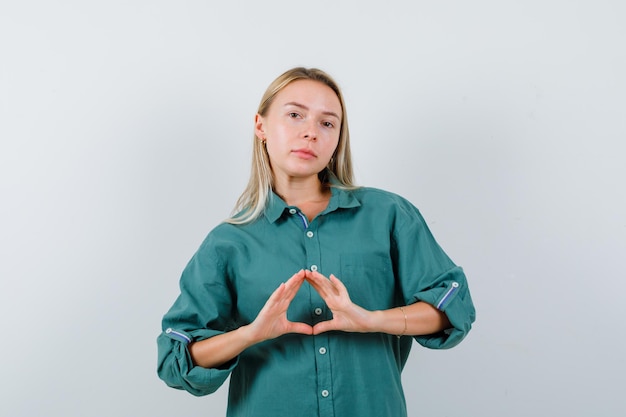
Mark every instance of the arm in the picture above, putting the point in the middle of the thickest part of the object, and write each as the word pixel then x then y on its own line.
pixel 426 274
pixel 413 320
pixel 271 322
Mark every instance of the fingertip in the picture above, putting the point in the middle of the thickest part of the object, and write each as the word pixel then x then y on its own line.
pixel 317 330
pixel 297 276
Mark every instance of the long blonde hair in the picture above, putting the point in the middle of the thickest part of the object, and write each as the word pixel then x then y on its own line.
pixel 254 198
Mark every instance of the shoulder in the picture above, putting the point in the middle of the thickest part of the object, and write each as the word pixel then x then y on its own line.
pixel 222 239
pixel 378 198
pixel 388 207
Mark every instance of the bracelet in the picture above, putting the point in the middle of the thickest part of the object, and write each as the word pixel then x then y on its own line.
pixel 403 331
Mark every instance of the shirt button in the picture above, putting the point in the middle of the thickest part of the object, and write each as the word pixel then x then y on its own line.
pixel 325 393
pixel 322 351
pixel 292 211
pixel 318 311
pixel 309 233
pixel 313 268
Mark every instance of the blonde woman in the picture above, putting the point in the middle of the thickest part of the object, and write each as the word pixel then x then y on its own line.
pixel 309 297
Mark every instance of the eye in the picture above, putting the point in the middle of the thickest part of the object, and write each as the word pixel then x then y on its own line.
pixel 328 124
pixel 293 115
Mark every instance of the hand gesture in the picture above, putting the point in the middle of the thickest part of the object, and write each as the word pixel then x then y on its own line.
pixel 272 320
pixel 347 316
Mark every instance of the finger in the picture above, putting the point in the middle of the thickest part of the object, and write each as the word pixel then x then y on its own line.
pixel 286 291
pixel 317 276
pixel 329 285
pixel 321 284
pixel 302 328
pixel 274 299
pixel 293 284
pixel 338 284
pixel 296 278
pixel 323 327
pixel 278 293
pixel 298 275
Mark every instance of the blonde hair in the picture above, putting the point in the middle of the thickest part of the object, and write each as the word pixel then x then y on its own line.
pixel 254 198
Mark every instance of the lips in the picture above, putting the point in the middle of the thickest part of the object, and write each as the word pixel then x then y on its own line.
pixel 304 153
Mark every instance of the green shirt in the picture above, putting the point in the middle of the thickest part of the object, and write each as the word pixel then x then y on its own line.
pixel 377 243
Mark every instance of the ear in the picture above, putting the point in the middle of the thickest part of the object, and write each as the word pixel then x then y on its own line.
pixel 259 127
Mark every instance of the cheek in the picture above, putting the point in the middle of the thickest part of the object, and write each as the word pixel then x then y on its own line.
pixel 281 133
pixel 333 143
pixel 327 153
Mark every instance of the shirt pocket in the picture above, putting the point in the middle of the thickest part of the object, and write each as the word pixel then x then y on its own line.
pixel 369 279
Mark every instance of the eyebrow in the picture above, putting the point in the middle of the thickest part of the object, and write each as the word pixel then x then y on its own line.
pixel 302 106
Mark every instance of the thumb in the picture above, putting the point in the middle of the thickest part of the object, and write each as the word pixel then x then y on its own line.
pixel 323 327
pixel 302 328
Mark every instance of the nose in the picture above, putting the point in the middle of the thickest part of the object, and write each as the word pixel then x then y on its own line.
pixel 310 132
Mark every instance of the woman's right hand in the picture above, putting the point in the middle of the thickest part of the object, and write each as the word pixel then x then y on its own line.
pixel 272 320
pixel 270 323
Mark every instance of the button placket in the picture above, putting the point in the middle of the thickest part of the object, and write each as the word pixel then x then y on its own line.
pixel 312 249
pixel 311 244
pixel 322 362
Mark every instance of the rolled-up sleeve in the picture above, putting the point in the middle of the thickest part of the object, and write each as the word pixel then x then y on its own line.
pixel 426 273
pixel 202 310
pixel 450 294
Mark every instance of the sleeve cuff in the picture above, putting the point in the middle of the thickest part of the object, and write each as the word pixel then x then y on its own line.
pixel 177 370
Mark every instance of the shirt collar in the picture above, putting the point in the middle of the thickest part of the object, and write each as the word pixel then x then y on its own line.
pixel 340 199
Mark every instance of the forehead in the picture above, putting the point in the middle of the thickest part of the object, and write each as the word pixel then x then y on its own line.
pixel 312 94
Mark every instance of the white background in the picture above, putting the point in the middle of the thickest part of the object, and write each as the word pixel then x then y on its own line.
pixel 126 129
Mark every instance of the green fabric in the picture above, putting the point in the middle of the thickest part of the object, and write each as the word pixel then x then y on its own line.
pixel 377 243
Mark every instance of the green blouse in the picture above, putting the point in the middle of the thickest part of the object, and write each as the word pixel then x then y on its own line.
pixel 377 243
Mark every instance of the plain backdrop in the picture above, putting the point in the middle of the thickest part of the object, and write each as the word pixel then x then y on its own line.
pixel 126 130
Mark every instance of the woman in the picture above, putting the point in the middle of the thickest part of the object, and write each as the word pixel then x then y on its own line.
pixel 310 296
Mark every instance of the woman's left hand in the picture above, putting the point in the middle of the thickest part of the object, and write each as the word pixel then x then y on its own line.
pixel 347 316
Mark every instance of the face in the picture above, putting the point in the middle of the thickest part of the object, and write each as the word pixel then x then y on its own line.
pixel 301 129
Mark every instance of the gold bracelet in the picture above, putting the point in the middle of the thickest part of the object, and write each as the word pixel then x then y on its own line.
pixel 403 331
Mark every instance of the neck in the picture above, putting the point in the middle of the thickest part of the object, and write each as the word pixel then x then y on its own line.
pixel 295 191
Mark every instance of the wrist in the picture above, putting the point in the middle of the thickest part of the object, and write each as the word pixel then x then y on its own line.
pixel 393 321
pixel 405 322
pixel 378 320
pixel 248 335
